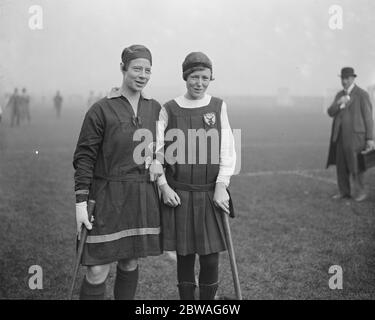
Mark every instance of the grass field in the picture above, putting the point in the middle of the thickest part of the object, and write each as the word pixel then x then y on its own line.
pixel 287 233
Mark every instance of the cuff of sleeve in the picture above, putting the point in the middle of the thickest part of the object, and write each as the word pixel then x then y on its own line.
pixel 82 192
pixel 82 195
pixel 223 179
pixel 161 180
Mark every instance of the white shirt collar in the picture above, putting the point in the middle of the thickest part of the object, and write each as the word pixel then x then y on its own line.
pixel 184 102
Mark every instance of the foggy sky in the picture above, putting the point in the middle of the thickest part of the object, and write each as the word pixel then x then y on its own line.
pixel 256 46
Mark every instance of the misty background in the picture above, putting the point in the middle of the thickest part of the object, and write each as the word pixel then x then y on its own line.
pixel 276 64
pixel 257 47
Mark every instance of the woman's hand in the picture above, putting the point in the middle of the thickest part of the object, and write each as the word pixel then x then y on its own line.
pixel 221 197
pixel 170 197
pixel 82 216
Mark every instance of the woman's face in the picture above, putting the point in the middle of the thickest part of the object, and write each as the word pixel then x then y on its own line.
pixel 137 74
pixel 197 83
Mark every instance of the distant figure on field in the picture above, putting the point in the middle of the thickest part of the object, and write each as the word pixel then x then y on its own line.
pixel 352 132
pixel 58 103
pixel 14 104
pixel 25 106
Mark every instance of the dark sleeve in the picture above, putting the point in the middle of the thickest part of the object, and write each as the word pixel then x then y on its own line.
pixel 157 106
pixel 334 108
pixel 366 109
pixel 85 155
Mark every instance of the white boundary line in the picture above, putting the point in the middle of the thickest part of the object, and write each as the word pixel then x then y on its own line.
pixel 301 173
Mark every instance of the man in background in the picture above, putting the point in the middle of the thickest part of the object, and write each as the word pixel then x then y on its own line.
pixel 14 104
pixel 352 132
pixel 25 106
pixel 58 103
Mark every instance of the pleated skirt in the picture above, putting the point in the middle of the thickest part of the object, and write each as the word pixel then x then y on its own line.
pixel 195 226
pixel 127 223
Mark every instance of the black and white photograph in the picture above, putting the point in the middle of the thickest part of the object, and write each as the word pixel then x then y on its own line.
pixel 190 150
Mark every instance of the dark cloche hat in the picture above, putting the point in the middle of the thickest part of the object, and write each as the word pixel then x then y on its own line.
pixel 134 52
pixel 195 60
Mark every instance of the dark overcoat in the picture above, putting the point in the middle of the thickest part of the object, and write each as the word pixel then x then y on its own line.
pixel 354 123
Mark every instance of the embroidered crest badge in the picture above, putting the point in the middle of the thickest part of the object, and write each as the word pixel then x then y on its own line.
pixel 210 118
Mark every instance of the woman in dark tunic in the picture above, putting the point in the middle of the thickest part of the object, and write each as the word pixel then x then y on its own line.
pixel 126 222
pixel 195 195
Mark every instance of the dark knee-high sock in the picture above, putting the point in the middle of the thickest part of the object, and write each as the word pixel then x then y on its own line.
pixel 91 291
pixel 186 277
pixel 126 284
pixel 185 268
pixel 209 268
pixel 208 276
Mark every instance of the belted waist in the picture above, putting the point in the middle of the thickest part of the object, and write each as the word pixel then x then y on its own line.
pixel 136 177
pixel 198 188
pixel 188 186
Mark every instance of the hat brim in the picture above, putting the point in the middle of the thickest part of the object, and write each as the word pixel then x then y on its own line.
pixel 348 75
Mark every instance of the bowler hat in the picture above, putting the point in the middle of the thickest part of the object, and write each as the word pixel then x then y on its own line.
pixel 347 72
